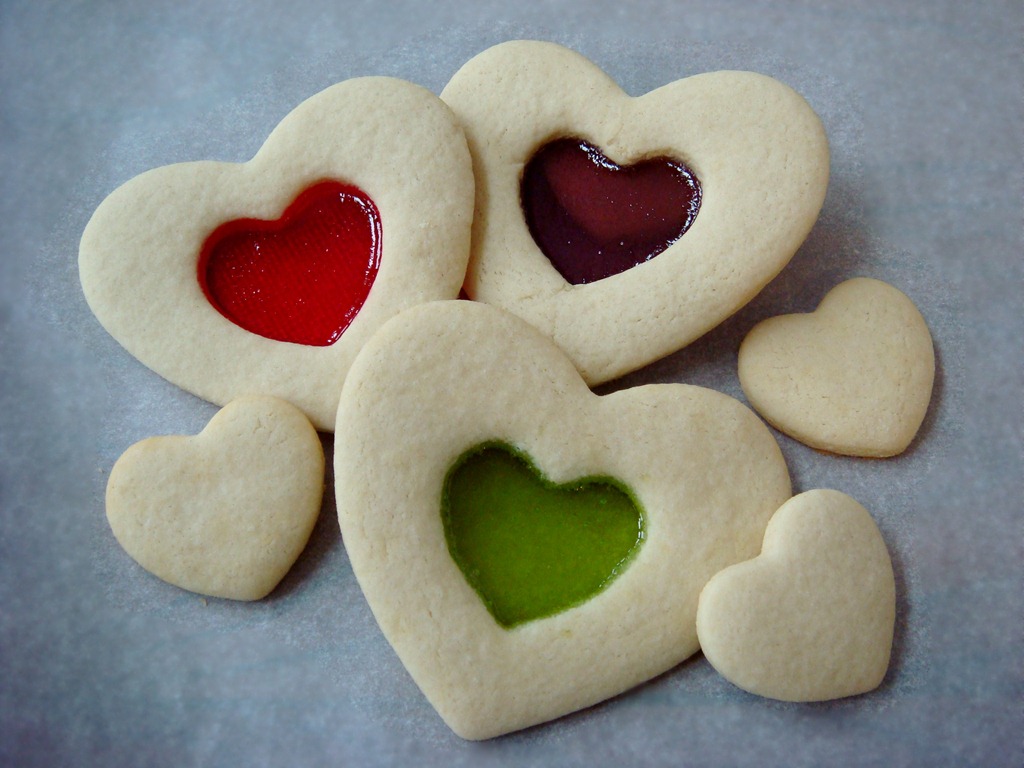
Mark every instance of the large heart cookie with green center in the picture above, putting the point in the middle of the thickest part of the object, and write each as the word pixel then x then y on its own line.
pixel 650 490
pixel 267 276
pixel 622 227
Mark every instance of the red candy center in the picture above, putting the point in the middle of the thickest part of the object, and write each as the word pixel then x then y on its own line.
pixel 594 219
pixel 301 278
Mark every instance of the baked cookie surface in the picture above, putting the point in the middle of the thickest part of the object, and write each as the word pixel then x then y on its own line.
pixel 226 512
pixel 442 380
pixel 755 148
pixel 811 618
pixel 853 377
pixel 405 187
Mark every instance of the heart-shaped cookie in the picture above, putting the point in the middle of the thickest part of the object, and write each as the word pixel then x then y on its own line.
pixel 225 512
pixel 441 380
pixel 853 377
pixel 812 617
pixel 751 147
pixel 227 280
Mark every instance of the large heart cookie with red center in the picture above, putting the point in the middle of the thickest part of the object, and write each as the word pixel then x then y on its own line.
pixel 268 276
pixel 621 227
pixel 527 546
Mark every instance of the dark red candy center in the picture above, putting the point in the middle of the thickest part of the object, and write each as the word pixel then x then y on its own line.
pixel 594 219
pixel 301 278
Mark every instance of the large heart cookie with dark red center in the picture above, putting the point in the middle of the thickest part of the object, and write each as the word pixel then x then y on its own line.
pixel 624 228
pixel 527 546
pixel 268 276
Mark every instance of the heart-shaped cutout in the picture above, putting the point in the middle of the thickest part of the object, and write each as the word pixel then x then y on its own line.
pixel 530 547
pixel 757 148
pixel 446 377
pixel 853 377
pixel 225 512
pixel 139 258
pixel 812 617
pixel 301 278
pixel 594 219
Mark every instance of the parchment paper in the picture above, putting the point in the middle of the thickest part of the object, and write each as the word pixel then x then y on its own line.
pixel 104 664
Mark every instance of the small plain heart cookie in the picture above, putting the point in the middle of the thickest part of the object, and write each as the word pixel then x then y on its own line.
pixel 462 434
pixel 812 617
pixel 853 377
pixel 268 276
pixel 225 512
pixel 624 228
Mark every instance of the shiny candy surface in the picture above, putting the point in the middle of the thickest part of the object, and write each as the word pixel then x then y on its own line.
pixel 301 278
pixel 593 218
pixel 529 547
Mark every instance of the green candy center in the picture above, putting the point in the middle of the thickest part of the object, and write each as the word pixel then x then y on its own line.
pixel 531 548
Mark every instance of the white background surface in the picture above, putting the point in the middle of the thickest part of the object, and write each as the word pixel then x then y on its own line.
pixel 103 664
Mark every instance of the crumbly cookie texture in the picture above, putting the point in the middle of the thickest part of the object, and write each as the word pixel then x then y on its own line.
pixel 812 617
pixel 226 512
pixel 853 377
pixel 758 149
pixel 395 141
pixel 444 377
